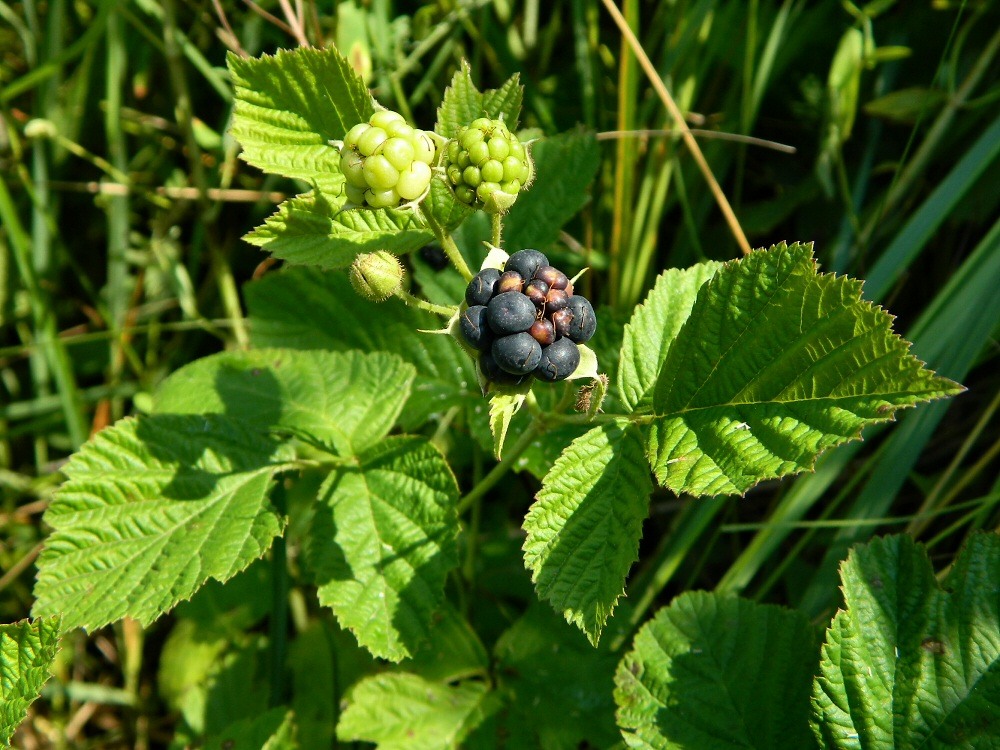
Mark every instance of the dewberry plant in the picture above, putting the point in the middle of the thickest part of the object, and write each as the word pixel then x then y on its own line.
pixel 337 456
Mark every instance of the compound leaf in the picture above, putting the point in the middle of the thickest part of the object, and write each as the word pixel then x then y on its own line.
pixel 382 542
pixel 653 327
pixel 585 525
pixel 775 364
pixel 341 401
pixel 309 230
pixel 565 165
pixel 910 662
pixel 402 711
pixel 289 107
pixel 27 650
pixel 717 671
pixel 152 508
pixel 305 308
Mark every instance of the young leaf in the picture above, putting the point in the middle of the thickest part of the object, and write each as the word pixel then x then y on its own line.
pixel 27 650
pixel 565 165
pixel 402 711
pixel 309 230
pixel 463 103
pixel 382 542
pixel 346 402
pixel 291 105
pixel 152 508
pixel 304 308
pixel 715 671
pixel 653 327
pixel 504 406
pixel 911 662
pixel 775 364
pixel 584 527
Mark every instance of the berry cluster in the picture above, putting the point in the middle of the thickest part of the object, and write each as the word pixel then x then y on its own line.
pixel 526 320
pixel 386 161
pixel 487 165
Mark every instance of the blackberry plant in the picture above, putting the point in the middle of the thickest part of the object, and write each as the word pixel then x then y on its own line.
pixel 336 431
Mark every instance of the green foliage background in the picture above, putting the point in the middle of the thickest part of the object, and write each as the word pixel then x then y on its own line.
pixel 122 203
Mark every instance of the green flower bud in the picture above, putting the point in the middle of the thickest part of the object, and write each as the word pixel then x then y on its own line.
pixel 376 276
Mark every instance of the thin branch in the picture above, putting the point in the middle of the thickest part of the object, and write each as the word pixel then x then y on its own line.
pixel 229 36
pixel 678 117
pixel 608 135
pixel 269 17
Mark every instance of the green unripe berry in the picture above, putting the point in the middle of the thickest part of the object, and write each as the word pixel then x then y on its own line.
pixel 512 168
pixel 517 150
pixel 484 124
pixel 465 194
pixel 499 148
pixel 355 195
pixel 471 176
pixel 376 276
pixel 454 174
pixel 492 171
pixel 351 139
pixel 383 118
pixel 399 152
pixel 382 198
pixel 379 173
pixel 479 153
pixel 485 191
pixel 413 181
pixel 463 160
pixel 424 148
pixel 351 164
pixel 370 140
pixel 511 188
pixel 453 148
pixel 400 130
pixel 470 138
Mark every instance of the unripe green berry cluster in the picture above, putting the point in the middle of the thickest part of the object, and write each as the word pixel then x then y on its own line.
pixel 487 165
pixel 386 161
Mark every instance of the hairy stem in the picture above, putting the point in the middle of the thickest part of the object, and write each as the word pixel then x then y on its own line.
pixel 445 312
pixel 496 222
pixel 449 246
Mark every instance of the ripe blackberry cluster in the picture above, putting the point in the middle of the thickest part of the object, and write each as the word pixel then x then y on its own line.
pixel 526 320
pixel 385 161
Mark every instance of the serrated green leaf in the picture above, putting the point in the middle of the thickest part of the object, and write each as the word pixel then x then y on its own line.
pixel 304 308
pixel 711 671
pixel 565 165
pixel 912 663
pixel 653 327
pixel 406 712
pixel 309 230
pixel 382 542
pixel 153 507
pixel 346 402
pixel 463 103
pixel 505 102
pixel 291 105
pixel 775 364
pixel 585 525
pixel 272 730
pixel 505 403
pixel 27 650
